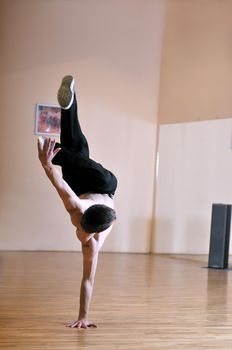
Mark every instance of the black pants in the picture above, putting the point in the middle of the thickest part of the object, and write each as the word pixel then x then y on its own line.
pixel 81 173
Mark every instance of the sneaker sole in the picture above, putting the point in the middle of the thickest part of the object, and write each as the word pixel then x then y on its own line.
pixel 65 93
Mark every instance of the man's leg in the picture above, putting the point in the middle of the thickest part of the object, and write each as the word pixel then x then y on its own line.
pixel 81 173
pixel 71 134
pixel 71 137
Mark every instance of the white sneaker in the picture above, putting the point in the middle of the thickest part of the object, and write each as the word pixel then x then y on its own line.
pixel 66 91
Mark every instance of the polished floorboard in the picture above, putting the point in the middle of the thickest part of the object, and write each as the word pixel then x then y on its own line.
pixel 139 302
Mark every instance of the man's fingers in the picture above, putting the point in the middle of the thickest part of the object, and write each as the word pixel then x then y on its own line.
pixel 81 324
pixel 52 144
pixel 49 145
pixel 46 144
pixel 74 325
pixel 71 325
pixel 40 143
pixel 56 151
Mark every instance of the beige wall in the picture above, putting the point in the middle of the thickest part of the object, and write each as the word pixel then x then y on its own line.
pixel 113 47
pixel 194 173
pixel 194 158
pixel 196 62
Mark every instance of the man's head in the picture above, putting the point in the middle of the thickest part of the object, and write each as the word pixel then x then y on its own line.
pixel 97 218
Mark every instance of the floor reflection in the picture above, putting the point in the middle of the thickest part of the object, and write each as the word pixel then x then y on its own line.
pixel 217 296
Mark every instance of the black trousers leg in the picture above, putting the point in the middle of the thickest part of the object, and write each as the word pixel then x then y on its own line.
pixel 71 136
pixel 79 171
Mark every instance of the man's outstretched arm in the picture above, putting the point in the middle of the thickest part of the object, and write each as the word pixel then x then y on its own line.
pixel 46 153
pixel 90 257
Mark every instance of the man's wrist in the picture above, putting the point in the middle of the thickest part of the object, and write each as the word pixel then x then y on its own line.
pixel 47 166
pixel 83 316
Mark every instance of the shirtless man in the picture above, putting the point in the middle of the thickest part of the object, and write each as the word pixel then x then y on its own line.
pixel 86 190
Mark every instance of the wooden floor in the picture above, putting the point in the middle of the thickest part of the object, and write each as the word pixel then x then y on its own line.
pixel 140 302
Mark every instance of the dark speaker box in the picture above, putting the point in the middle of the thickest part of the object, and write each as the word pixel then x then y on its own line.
pixel 220 236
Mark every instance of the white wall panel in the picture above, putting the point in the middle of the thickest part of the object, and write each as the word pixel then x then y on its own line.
pixel 195 170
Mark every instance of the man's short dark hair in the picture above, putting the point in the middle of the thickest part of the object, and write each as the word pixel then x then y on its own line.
pixel 97 218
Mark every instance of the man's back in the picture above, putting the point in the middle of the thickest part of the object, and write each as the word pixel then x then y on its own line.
pixel 83 203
